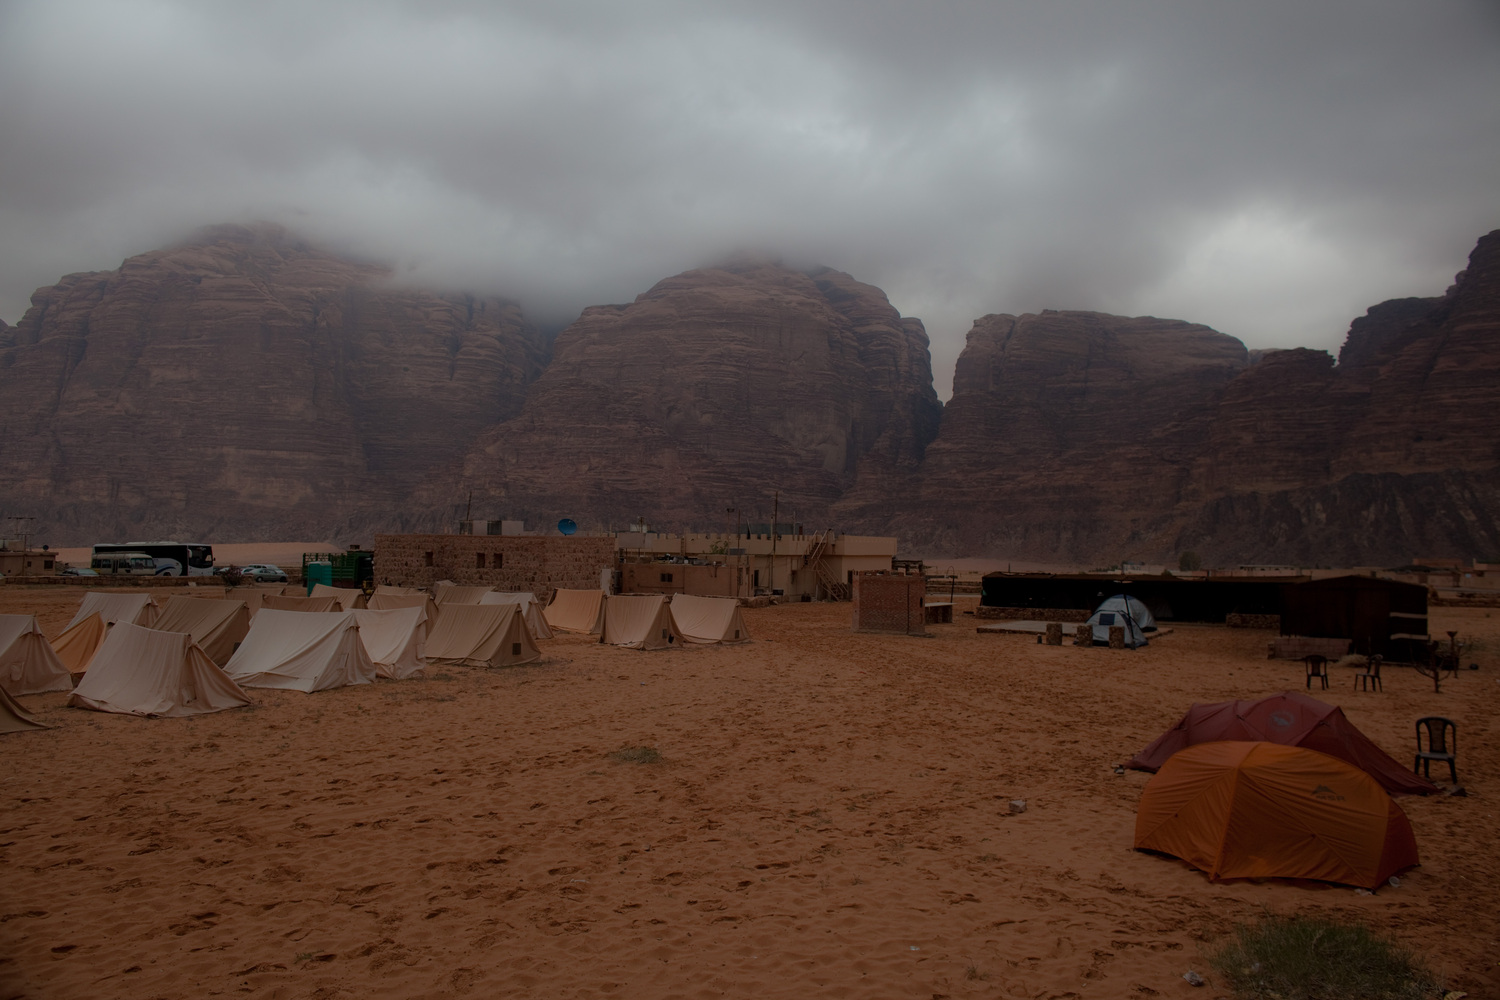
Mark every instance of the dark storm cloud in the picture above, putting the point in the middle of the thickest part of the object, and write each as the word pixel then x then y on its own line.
pixel 1270 169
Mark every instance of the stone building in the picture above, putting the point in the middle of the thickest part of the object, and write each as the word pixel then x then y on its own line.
pixel 538 563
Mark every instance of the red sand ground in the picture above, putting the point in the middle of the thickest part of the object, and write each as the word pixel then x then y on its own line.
pixel 829 818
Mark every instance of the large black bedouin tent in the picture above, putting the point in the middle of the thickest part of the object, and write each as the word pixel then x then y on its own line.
pixel 1382 617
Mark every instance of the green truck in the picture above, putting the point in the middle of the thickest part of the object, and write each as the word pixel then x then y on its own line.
pixel 339 569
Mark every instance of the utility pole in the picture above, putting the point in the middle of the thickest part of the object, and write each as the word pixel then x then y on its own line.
pixel 775 513
pixel 24 533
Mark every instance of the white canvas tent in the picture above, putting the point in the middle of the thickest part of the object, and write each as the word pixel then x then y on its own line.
pixel 576 610
pixel 14 718
pixel 77 644
pixel 390 602
pixel 280 602
pixel 1129 613
pixel 530 609
pixel 143 671
pixel 387 590
pixel 639 621
pixel 217 626
pixel 709 619
pixel 302 651
pixel 347 598
pixel 137 609
pixel 28 664
pixel 481 635
pixel 394 640
pixel 454 594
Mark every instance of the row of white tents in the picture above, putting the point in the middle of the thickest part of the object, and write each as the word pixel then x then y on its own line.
pixel 195 655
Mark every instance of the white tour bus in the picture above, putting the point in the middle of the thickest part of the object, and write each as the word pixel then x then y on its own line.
pixel 172 558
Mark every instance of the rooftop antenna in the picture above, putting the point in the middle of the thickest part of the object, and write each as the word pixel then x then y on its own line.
pixel 22 532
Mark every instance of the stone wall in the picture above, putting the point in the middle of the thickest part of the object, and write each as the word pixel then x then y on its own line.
pixel 889 602
pixel 1032 614
pixel 504 562
pixel 1234 620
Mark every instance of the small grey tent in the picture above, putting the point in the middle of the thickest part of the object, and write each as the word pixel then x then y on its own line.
pixel 1124 611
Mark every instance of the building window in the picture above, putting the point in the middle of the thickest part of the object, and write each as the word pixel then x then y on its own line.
pixel 479 560
pixel 46 564
pixel 499 559
pixel 666 578
pixel 427 558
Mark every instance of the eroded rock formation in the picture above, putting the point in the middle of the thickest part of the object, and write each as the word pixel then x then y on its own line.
pixel 712 390
pixel 1073 437
pixel 243 386
pixel 1064 430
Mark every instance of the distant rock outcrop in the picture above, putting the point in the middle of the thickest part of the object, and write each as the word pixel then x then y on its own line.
pixel 243 386
pixel 1067 431
pixel 1074 437
pixel 1391 455
pixel 710 391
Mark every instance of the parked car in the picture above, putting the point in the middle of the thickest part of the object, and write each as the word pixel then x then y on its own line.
pixel 78 571
pixel 263 573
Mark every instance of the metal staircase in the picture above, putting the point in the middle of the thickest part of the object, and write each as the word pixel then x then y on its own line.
pixel 833 587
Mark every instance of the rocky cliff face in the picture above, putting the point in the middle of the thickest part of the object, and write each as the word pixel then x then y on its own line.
pixel 1082 438
pixel 246 386
pixel 1393 454
pixel 249 386
pixel 1064 431
pixel 710 391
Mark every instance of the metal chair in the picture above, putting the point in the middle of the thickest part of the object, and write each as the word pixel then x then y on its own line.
pixel 1317 666
pixel 1439 746
pixel 1370 679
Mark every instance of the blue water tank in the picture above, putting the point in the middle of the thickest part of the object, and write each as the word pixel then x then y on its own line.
pixel 318 572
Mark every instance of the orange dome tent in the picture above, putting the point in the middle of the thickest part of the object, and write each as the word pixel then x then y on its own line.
pixel 1259 810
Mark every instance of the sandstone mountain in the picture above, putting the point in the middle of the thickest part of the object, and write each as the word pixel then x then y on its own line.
pixel 249 386
pixel 710 391
pixel 244 386
pixel 1064 429
pixel 1075 437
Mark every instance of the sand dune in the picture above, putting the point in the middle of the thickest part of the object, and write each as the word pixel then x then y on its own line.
pixel 829 817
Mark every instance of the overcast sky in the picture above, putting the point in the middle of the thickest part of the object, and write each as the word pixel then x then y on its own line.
pixel 1268 168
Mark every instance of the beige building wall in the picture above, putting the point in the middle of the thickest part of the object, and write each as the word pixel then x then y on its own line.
pixel 14 562
pixel 743 565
